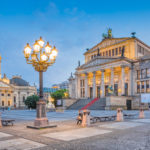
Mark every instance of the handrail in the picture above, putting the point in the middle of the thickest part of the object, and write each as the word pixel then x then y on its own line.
pixel 90 103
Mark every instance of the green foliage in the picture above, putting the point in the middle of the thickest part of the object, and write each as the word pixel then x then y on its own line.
pixel 60 94
pixel 31 101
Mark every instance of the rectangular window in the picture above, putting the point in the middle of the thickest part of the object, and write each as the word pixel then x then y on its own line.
pixel 138 74
pixel 138 87
pixel 103 54
pixel 142 87
pixel 120 51
pixel 109 52
pixel 116 51
pixel 143 73
pixel 106 53
pixel 112 52
pixel 148 72
pixel 147 87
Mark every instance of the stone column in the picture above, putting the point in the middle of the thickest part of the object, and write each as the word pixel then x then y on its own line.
pixel 77 80
pixel 86 86
pixel 131 82
pixel 102 83
pixel 112 77
pixel 94 84
pixel 122 80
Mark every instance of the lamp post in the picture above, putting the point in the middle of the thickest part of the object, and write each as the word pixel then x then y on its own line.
pixel 41 57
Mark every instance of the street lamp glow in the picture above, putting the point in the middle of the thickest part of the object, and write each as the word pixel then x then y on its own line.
pixel 54 51
pixel 40 58
pixel 44 57
pixel 36 47
pixel 41 42
pixel 27 51
pixel 48 48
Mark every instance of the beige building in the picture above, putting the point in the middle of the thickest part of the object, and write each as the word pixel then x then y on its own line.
pixel 13 92
pixel 116 69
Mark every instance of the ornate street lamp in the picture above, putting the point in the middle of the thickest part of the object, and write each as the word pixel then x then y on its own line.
pixel 41 57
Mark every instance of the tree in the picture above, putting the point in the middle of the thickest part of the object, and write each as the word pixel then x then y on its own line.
pixel 31 101
pixel 58 95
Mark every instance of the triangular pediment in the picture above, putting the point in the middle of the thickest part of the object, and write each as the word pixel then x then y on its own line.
pixel 111 41
pixel 97 61
pixel 4 85
pixel 107 42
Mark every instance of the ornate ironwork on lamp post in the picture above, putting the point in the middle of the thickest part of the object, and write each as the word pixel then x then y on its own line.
pixel 41 57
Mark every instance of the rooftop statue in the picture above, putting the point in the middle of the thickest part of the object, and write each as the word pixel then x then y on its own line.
pixel 107 35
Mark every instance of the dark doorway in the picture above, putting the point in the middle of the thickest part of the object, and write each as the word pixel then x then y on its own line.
pixel 129 104
pixel 91 92
pixel 98 91
pixel 126 89
pixel 116 89
pixel 106 90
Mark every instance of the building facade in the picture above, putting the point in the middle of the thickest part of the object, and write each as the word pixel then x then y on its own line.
pixel 13 92
pixel 114 68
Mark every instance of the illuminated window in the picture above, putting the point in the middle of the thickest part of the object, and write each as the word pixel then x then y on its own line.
pixel 116 51
pixel 138 87
pixel 147 86
pixel 120 51
pixel 109 52
pixel 142 86
pixel 8 103
pixel 3 103
pixel 112 52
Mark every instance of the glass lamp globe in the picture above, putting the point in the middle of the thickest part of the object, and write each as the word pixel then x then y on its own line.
pixel 54 51
pixel 27 50
pixel 41 42
pixel 44 57
pixel 52 57
pixel 36 47
pixel 48 48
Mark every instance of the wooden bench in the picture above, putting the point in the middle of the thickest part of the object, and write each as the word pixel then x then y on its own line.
pixel 129 115
pixel 6 122
pixel 103 118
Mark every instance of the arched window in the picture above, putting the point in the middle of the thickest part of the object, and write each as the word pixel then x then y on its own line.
pixel 8 103
pixel 24 98
pixel 14 99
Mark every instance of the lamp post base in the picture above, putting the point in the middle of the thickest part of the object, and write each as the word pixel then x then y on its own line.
pixel 41 121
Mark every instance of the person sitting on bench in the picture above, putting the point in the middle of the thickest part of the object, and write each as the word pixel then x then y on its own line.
pixel 79 118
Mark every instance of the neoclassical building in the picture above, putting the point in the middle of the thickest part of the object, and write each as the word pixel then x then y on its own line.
pixel 117 69
pixel 13 92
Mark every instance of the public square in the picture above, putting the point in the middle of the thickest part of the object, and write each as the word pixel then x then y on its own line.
pixel 130 134
pixel 74 75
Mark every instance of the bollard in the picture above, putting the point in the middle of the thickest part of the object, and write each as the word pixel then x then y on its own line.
pixel 0 121
pixel 141 114
pixel 119 114
pixel 86 118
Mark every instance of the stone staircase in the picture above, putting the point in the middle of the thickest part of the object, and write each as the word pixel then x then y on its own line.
pixel 98 105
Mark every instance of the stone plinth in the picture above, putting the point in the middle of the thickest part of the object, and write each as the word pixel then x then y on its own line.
pixel 141 114
pixel 86 118
pixel 119 115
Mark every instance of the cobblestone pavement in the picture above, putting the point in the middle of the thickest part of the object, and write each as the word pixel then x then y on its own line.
pixel 132 134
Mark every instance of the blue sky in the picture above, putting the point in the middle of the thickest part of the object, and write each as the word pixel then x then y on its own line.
pixel 71 25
